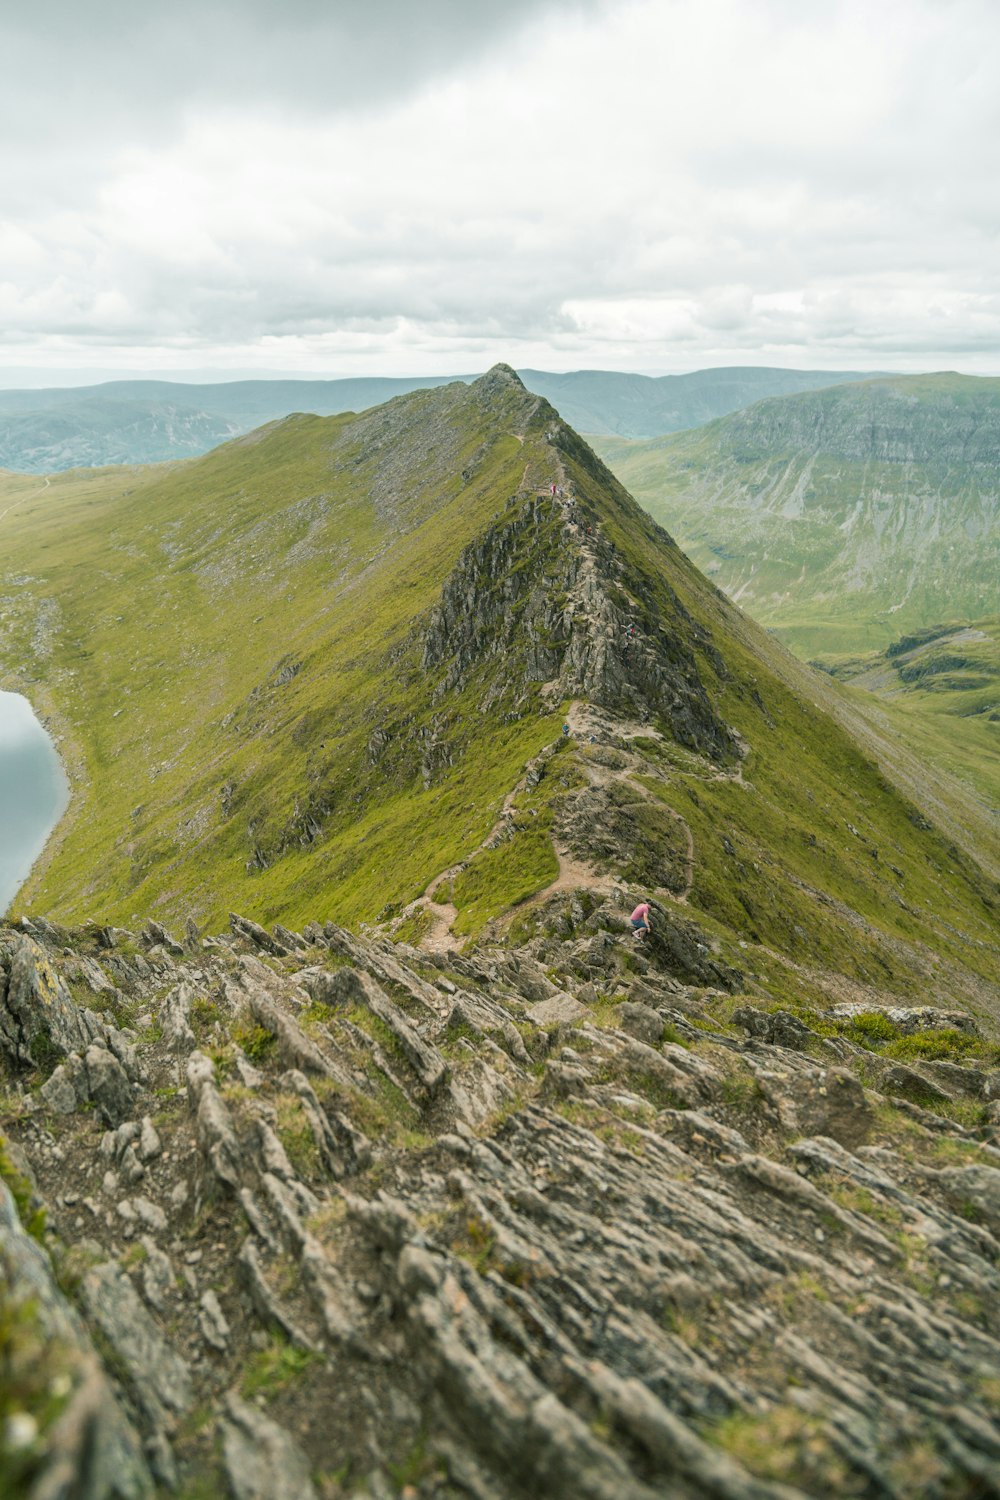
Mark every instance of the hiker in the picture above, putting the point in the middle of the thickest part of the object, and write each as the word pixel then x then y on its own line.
pixel 640 921
pixel 566 731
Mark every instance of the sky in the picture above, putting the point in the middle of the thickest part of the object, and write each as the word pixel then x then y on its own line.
pixel 378 187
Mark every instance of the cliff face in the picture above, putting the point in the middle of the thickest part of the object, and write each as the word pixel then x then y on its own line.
pixel 350 1218
pixel 545 597
pixel 840 518
pixel 942 420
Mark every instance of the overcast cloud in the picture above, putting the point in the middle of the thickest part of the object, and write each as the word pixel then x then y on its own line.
pixel 390 188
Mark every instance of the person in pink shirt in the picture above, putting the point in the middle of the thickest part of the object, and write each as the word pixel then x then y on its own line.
pixel 640 919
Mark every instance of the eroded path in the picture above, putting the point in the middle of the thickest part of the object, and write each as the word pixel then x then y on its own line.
pixel 587 725
pixel 32 495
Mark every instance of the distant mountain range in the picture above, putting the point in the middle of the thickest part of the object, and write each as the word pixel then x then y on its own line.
pixel 843 517
pixel 149 421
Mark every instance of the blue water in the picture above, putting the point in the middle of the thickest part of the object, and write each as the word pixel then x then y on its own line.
pixel 33 792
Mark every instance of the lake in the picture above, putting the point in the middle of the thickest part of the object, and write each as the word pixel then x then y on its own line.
pixel 33 792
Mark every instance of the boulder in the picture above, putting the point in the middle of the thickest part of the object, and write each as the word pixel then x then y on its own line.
pixel 834 1104
pixel 642 1022
pixel 778 1027
pixel 107 1085
pixel 263 1461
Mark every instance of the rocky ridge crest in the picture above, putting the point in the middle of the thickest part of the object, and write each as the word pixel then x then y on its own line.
pixel 529 1222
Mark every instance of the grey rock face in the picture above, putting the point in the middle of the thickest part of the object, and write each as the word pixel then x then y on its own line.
pixel 263 1462
pixel 90 1450
pixel 572 628
pixel 37 1015
pixel 107 1085
pixel 158 1379
pixel 500 1229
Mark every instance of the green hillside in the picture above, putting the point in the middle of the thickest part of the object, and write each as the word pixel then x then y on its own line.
pixel 307 674
pixel 941 688
pixel 840 518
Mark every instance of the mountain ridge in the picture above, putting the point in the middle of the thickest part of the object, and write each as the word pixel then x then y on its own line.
pixel 153 421
pixel 416 1173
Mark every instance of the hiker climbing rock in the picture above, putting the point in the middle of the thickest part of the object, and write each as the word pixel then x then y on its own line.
pixel 640 921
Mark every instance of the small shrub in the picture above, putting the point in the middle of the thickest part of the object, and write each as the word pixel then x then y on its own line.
pixel 254 1040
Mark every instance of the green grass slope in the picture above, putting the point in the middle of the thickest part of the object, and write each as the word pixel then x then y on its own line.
pixel 299 678
pixel 941 688
pixel 840 518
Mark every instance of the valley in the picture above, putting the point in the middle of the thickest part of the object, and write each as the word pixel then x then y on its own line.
pixel 839 519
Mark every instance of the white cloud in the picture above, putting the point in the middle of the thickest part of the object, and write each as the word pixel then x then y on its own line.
pixel 639 184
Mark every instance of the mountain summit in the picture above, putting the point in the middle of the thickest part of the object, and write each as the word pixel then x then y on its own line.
pixel 380 1152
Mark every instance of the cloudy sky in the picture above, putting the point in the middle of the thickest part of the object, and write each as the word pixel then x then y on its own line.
pixel 345 187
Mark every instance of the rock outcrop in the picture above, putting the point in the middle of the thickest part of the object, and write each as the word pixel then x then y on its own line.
pixel 540 1223
pixel 546 592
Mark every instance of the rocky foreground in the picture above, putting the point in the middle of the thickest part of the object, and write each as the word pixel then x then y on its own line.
pixel 332 1217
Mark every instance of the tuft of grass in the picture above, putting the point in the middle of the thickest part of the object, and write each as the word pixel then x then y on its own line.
pixel 270 1371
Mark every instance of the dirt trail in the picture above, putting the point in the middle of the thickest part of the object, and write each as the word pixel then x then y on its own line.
pixel 24 498
pixel 585 723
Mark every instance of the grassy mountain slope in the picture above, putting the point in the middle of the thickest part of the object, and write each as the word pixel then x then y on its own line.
pixel 839 518
pixel 304 676
pixel 941 688
pixel 148 421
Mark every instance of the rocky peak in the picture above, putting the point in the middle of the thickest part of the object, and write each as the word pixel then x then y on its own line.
pixel 545 596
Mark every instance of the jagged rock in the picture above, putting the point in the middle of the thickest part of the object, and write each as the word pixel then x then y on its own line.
pixel 956 1079
pixel 830 1103
pixel 291 941
pixel 150 1214
pixel 296 1048
pixel 90 1450
pixel 157 1275
pixel 258 936
pixel 107 1085
pixel 557 1008
pixel 975 1191
pixel 779 1027
pixel 425 1060
pixel 263 1461
pixel 642 1022
pixel 150 1145
pixel 38 1017
pixel 59 1091
pixel 583 1269
pixel 212 1321
pixel 343 1148
pixel 177 1018
pixel 158 1378
pixel 156 935
pixel 911 1019
pixel 215 1132
pixel 910 1084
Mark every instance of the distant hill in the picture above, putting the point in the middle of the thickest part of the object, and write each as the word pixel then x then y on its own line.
pixel 840 518
pixel 149 421
pixel 940 688
pixel 640 406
